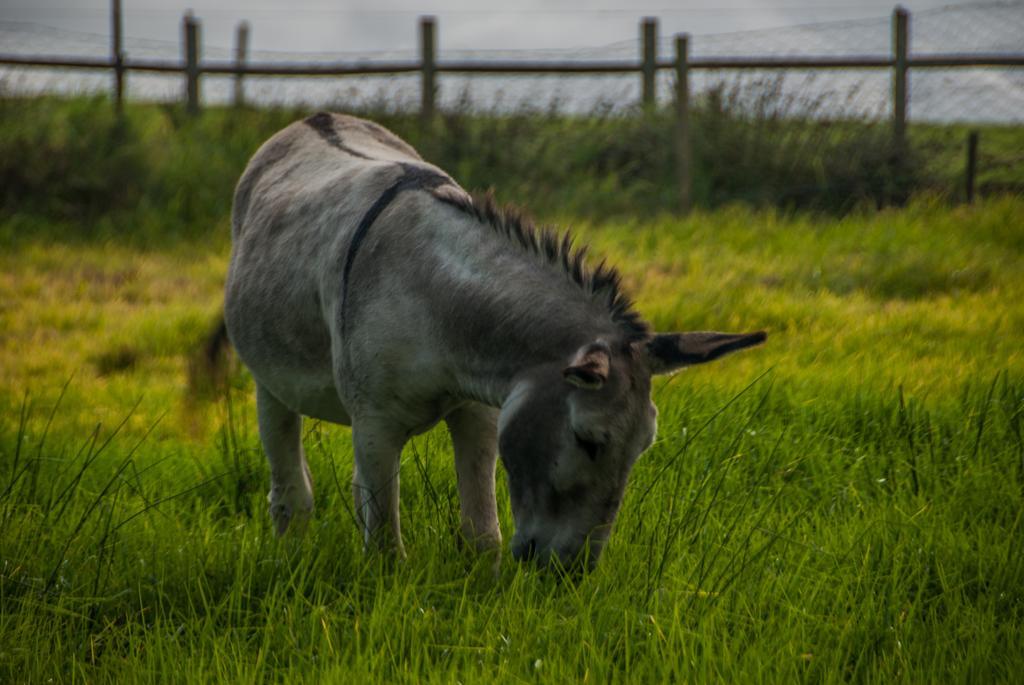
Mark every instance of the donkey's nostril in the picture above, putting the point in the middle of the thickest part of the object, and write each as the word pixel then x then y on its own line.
pixel 525 550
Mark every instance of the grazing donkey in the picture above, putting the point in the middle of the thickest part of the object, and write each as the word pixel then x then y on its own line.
pixel 366 288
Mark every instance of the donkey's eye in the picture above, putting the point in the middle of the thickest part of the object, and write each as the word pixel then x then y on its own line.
pixel 588 446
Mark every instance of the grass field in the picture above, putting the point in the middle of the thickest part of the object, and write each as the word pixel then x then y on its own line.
pixel 845 503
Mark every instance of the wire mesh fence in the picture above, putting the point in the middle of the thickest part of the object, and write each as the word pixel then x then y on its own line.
pixel 822 86
pixel 983 95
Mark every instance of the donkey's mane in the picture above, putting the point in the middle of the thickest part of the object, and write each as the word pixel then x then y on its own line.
pixel 559 250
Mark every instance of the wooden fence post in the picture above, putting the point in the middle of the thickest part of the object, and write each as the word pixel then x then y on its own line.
pixel 972 165
pixel 117 53
pixel 241 56
pixel 683 149
pixel 191 29
pixel 649 58
pixel 428 66
pixel 900 19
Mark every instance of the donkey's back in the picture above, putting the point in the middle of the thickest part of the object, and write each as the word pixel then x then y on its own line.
pixel 336 154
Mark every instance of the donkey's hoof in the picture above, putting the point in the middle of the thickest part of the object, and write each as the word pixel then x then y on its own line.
pixel 290 510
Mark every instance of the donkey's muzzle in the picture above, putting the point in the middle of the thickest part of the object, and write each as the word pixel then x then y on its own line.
pixel 573 564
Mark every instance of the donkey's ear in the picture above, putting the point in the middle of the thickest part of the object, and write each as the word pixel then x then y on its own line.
pixel 589 368
pixel 667 352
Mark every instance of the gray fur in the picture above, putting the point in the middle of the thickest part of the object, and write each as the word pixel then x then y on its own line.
pixel 361 294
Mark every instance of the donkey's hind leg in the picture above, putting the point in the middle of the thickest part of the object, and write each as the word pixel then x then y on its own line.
pixel 291 488
pixel 474 432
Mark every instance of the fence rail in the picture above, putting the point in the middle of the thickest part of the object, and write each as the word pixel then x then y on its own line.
pixel 314 69
pixel 900 61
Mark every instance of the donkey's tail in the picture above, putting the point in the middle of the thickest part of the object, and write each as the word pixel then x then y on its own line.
pixel 208 365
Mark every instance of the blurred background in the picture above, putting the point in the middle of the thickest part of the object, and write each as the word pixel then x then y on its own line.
pixel 314 31
pixel 835 107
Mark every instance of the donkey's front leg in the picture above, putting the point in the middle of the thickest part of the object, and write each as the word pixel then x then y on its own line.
pixel 474 432
pixel 291 488
pixel 378 452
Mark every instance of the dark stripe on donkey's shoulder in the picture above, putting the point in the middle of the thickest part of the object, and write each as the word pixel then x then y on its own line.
pixel 413 178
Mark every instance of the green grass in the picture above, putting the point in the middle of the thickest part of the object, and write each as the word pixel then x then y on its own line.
pixel 843 504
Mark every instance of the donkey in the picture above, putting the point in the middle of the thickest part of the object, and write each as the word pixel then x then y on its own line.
pixel 367 288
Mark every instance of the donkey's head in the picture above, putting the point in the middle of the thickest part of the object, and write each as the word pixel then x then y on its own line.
pixel 570 432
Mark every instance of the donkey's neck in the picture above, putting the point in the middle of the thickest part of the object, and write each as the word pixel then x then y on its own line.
pixel 506 310
pixel 488 374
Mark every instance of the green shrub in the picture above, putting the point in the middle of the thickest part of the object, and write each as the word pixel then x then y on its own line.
pixel 72 159
pixel 158 174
